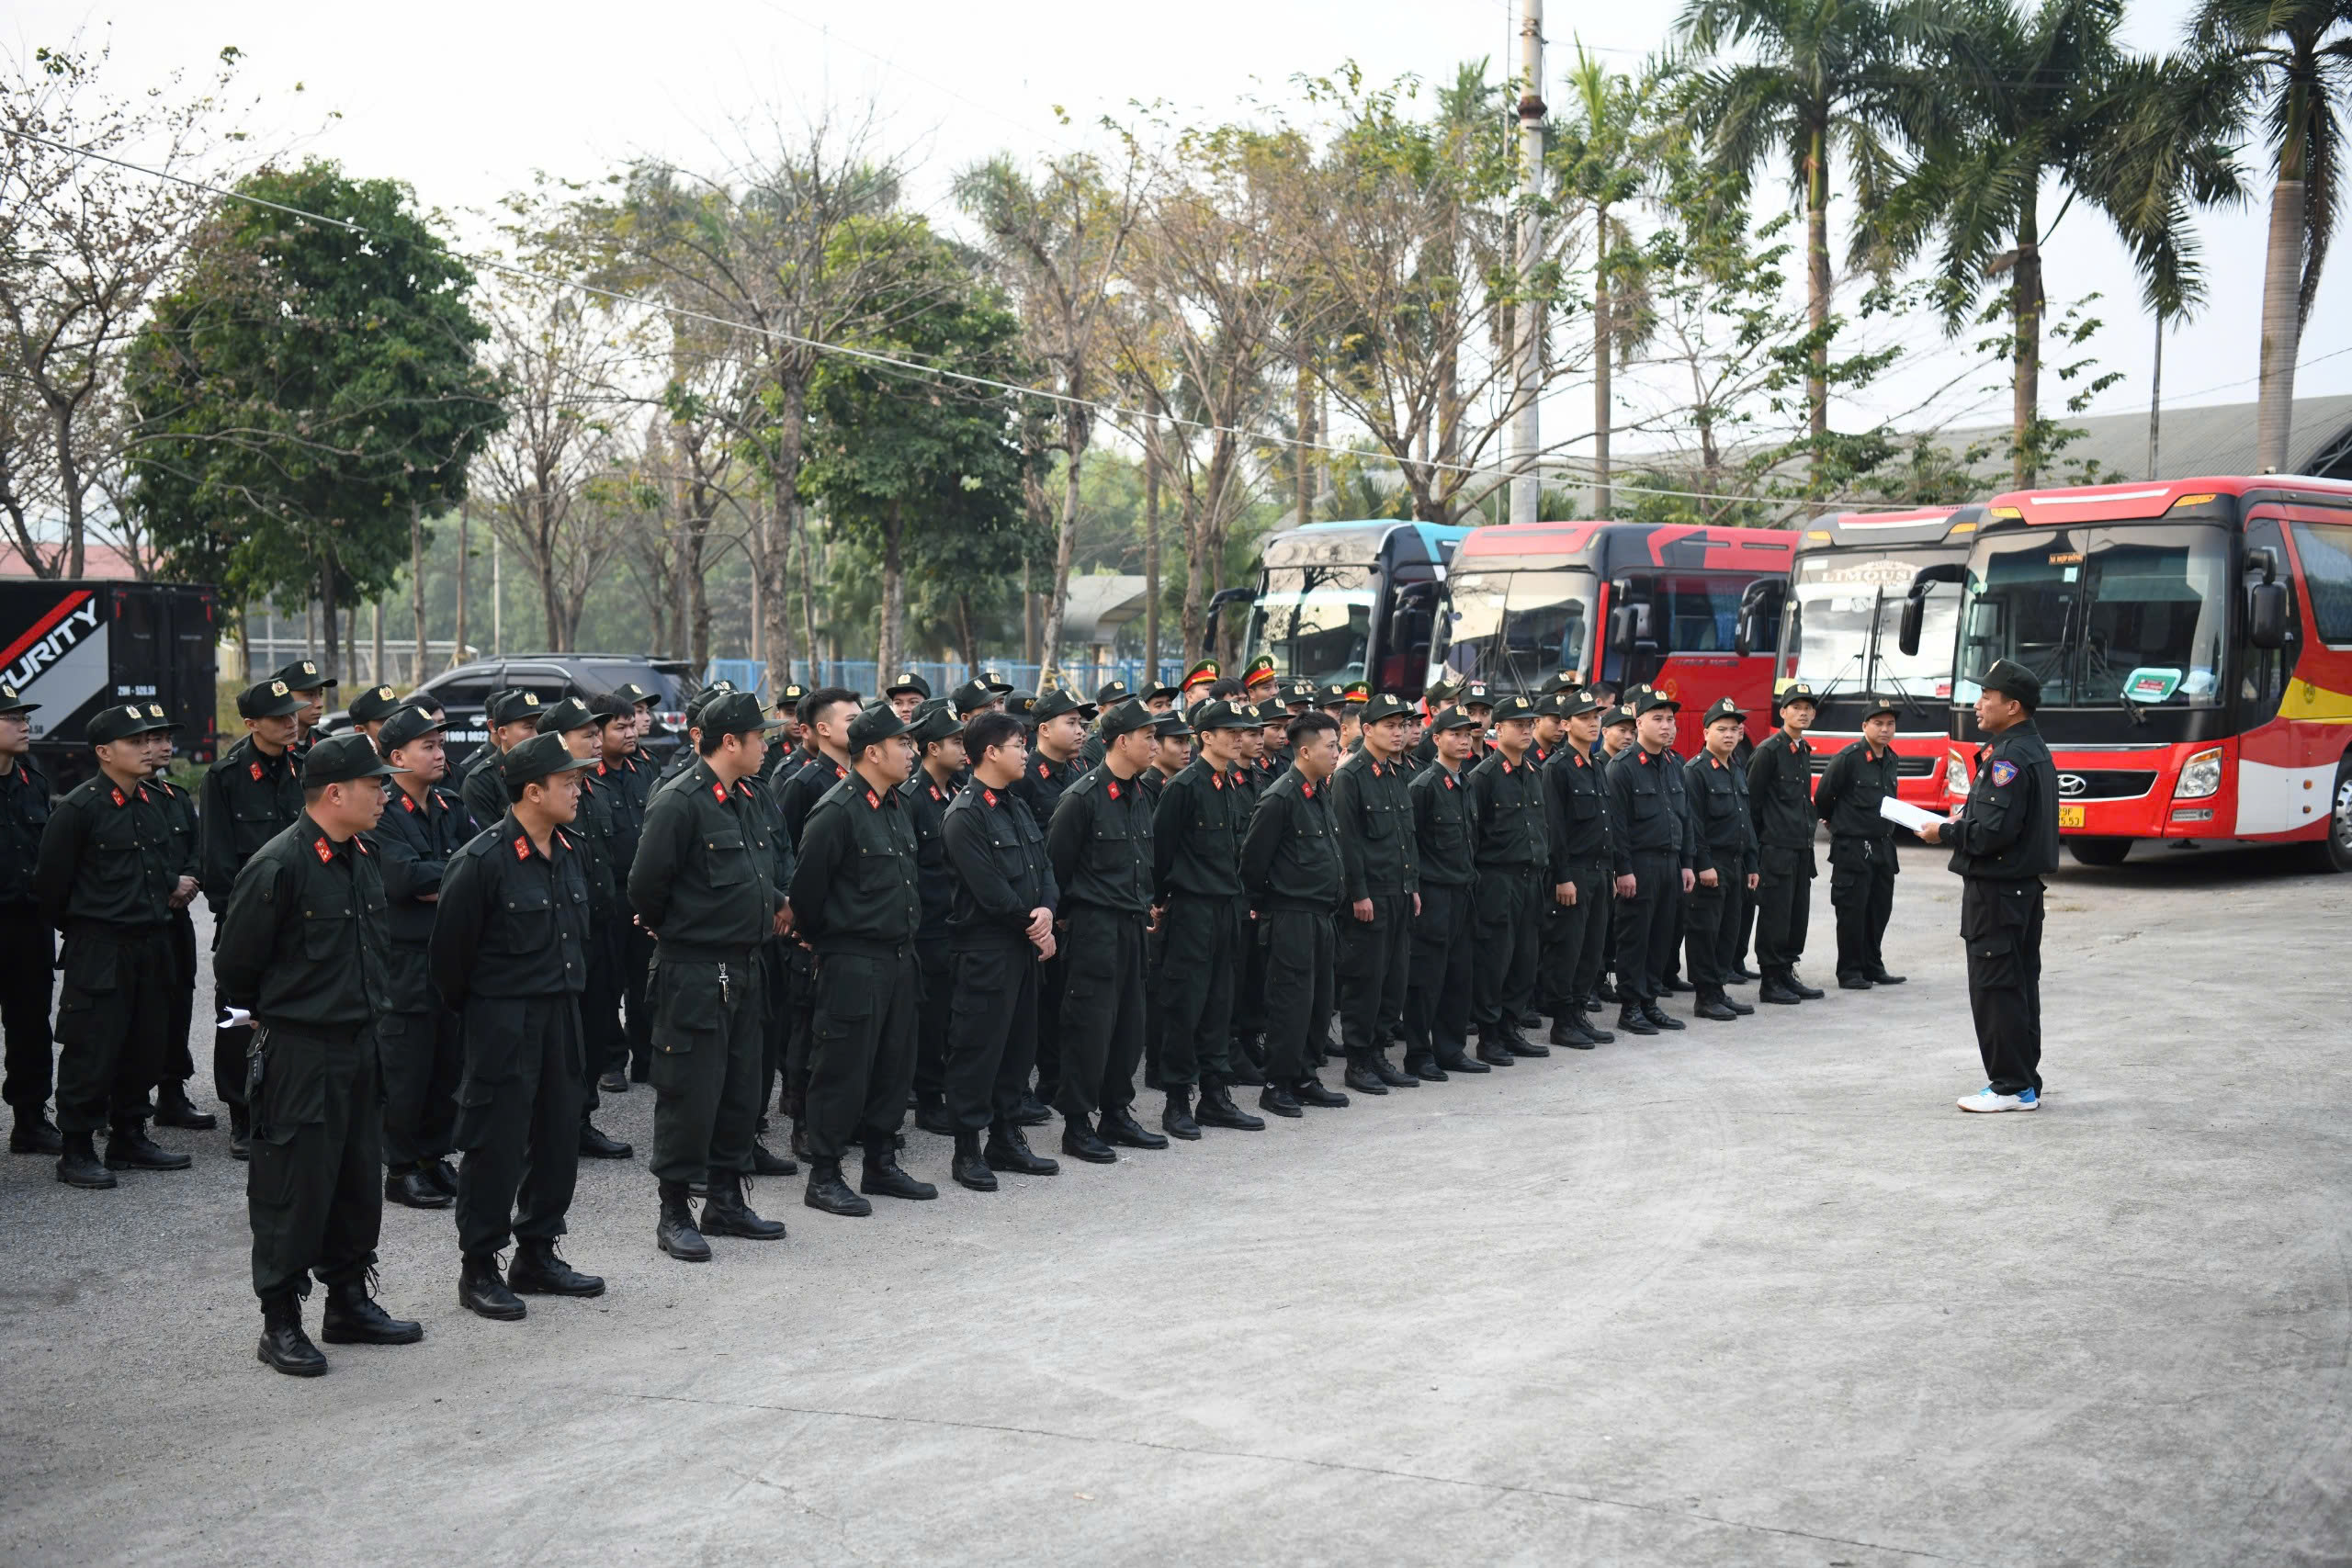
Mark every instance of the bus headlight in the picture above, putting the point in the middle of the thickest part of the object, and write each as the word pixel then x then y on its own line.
pixel 1955 775
pixel 2201 777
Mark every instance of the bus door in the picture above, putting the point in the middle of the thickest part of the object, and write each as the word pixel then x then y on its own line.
pixel 2286 769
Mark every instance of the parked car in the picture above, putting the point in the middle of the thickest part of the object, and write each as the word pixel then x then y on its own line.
pixel 463 691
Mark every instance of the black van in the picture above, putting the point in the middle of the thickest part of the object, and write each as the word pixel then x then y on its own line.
pixel 77 647
pixel 463 691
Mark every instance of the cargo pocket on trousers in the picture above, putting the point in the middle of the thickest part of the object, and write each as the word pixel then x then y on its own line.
pixel 293 1095
pixel 475 1100
pixel 1993 963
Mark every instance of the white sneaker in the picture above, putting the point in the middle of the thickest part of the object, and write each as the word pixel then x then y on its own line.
pixel 1985 1100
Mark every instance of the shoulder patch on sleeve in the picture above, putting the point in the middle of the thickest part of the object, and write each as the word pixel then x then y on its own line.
pixel 2005 773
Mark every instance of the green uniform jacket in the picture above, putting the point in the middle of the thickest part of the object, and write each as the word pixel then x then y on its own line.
pixel 1290 859
pixel 307 940
pixel 1444 828
pixel 246 799
pixel 1197 828
pixel 1717 795
pixel 1100 843
pixel 1507 797
pixel 1850 789
pixel 1576 795
pixel 705 879
pixel 514 922
pixel 1645 807
pixel 854 888
pixel 108 855
pixel 1378 852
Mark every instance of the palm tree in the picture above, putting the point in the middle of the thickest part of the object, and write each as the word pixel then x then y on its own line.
pixel 1598 163
pixel 2297 56
pixel 1821 75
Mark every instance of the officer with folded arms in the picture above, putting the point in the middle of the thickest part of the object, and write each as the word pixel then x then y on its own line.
pixel 511 949
pixel 106 876
pixel 704 883
pixel 512 718
pixel 305 949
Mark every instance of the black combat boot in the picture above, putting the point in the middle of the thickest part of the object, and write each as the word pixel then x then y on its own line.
pixel 1494 1053
pixel 675 1233
pixel 829 1192
pixel 765 1162
pixel 283 1344
pixel 1879 977
pixel 1310 1091
pixel 78 1164
pixel 1457 1061
pixel 1632 1020
pixel 1360 1075
pixel 1080 1142
pixel 1659 1017
pixel 1246 1072
pixel 1117 1124
pixel 1675 986
pixel 413 1188
pixel 883 1177
pixel 481 1289
pixel 615 1082
pixel 130 1148
pixel 1423 1066
pixel 967 1167
pixel 354 1318
pixel 931 1115
pixel 241 1132
pixel 1777 990
pixel 1804 992
pixel 173 1110
pixel 1712 1006
pixel 798 1142
pixel 1389 1073
pixel 1176 1119
pixel 594 1144
pixel 1032 1112
pixel 35 1133
pixel 1570 1032
pixel 1278 1099
pixel 1741 1008
pixel 538 1271
pixel 444 1174
pixel 1008 1149
pixel 1606 991
pixel 724 1213
pixel 1217 1109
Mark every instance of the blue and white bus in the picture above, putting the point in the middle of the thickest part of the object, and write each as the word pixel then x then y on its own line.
pixel 1357 601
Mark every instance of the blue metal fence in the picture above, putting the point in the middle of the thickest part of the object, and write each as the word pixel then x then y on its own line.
pixel 864 675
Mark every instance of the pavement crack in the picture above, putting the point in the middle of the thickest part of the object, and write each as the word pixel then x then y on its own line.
pixel 1337 1466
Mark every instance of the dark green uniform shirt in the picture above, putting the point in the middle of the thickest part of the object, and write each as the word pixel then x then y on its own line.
pixel 1100 843
pixel 1444 830
pixel 1717 796
pixel 514 922
pixel 107 855
pixel 925 800
pixel 1378 852
pixel 1290 858
pixel 853 883
pixel 1576 795
pixel 24 815
pixel 1646 808
pixel 1850 789
pixel 306 941
pixel 483 789
pixel 1041 785
pixel 1197 828
pixel 2008 830
pixel 1507 799
pixel 1002 870
pixel 1779 792
pixel 705 878
pixel 246 799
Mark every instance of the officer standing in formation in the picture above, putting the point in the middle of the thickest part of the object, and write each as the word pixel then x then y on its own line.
pixel 1780 797
pixel 1291 867
pixel 1582 844
pixel 1506 802
pixel 1657 852
pixel 1715 788
pixel 423 826
pixel 1862 864
pixel 1437 994
pixel 27 979
pixel 940 765
pixel 1380 866
pixel 512 718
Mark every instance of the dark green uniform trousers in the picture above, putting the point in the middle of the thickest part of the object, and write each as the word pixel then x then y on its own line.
pixel 991 1035
pixel 706 1060
pixel 518 1120
pixel 1375 965
pixel 601 1036
pixel 1576 942
pixel 26 982
pixel 1645 924
pixel 861 1050
pixel 1437 1002
pixel 179 1064
pixel 1300 958
pixel 1510 939
pixel 1783 907
pixel 113 1016
pixel 1101 1016
pixel 936 970
pixel 1710 929
pixel 636 950
pixel 314 1186
pixel 421 1061
pixel 1201 957
pixel 1861 889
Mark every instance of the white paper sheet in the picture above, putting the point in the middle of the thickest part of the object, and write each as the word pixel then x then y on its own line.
pixel 1905 815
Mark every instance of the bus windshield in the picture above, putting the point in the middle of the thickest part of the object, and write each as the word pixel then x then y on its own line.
pixel 1514 628
pixel 1846 623
pixel 1314 621
pixel 2127 616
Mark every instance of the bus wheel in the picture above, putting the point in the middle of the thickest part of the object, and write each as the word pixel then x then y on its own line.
pixel 2099 852
pixel 2336 854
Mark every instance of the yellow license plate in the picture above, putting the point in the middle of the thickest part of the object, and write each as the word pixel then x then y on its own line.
pixel 2069 816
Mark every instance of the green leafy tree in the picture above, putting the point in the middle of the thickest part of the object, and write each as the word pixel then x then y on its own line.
pixel 308 382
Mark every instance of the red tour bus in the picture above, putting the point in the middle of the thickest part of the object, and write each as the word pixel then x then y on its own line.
pixel 2194 641
pixel 1841 632
pixel 1693 610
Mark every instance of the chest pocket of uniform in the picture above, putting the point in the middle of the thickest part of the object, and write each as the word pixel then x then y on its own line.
pixel 1720 803
pixel 1114 843
pixel 328 932
pixel 523 923
pixel 1379 818
pixel 1584 806
pixel 1647 803
pixel 729 860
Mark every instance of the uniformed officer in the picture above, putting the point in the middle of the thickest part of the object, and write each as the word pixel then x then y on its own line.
pixel 592 833
pixel 704 886
pixel 614 783
pixel 1863 861
pixel 1108 695
pixel 1513 860
pixel 171 1105
pixel 1058 728
pixel 2004 841
pixel 975 697
pixel 25 935
pixel 1715 787
pixel 104 875
pixel 514 717
pixel 1657 852
pixel 306 680
pixel 1259 680
pixel 418 1058
pixel 371 708
pixel 791 746
pixel 1353 696
pixel 1197 825
pixel 999 930
pixel 939 735
pixel 854 899
pixel 512 953
pixel 1195 686
pixel 1582 845
pixel 826 714
pixel 305 948
pixel 1437 1001
pixel 1290 865
pixel 1273 740
pixel 681 761
pixel 1159 699
pixel 1171 751
pixel 249 797
pixel 1780 798
pixel 907 694
pixel 1380 859
pixel 626 760
pixel 1102 851
pixel 1245 1051
pixel 1616 735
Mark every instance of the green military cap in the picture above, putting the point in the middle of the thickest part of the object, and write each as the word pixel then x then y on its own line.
pixel 1577 703
pixel 272 698
pixel 339 759
pixel 13 701
pixel 1514 707
pixel 1723 707
pixel 632 694
pixel 788 695
pixel 1218 714
pixel 610 705
pixel 123 721
pixel 405 725
pixel 1475 695
pixel 1387 705
pixel 935 721
pixel 1023 705
pixel 2013 680
pixel 1439 693
pixel 1453 719
pixel 1333 696
pixel 1649 699
pixel 972 696
pixel 1126 719
pixel 1357 690
pixel 1887 706
pixel 302 676
pixel 1796 692
pixel 566 717
pixel 907 680
pixel 1258 672
pixel 1055 703
pixel 543 756
pixel 516 708
pixel 1111 694
pixel 1563 681
pixel 732 713
pixel 1203 672
pixel 875 724
pixel 377 702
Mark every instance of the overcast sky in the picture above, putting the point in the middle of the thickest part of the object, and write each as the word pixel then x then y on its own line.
pixel 463 101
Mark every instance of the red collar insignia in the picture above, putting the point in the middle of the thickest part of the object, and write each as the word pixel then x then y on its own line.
pixel 563 838
pixel 256 767
pixel 408 803
pixel 1307 791
pixel 326 852
pixel 600 769
pixel 838 771
pixel 1218 779
pixel 934 793
pixel 872 800
pixel 989 796
pixel 522 847
pixel 718 792
pixel 1450 784
pixel 1114 789
pixel 1043 770
pixel 119 798
pixel 1506 764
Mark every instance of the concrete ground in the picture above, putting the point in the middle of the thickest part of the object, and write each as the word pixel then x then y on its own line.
pixel 1751 1294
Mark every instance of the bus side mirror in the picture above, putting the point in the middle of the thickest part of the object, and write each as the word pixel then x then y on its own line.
pixel 1629 626
pixel 1915 603
pixel 1754 623
pixel 2266 616
pixel 1225 596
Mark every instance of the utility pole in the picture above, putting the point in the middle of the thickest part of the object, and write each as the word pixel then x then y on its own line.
pixel 497 600
pixel 1526 439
